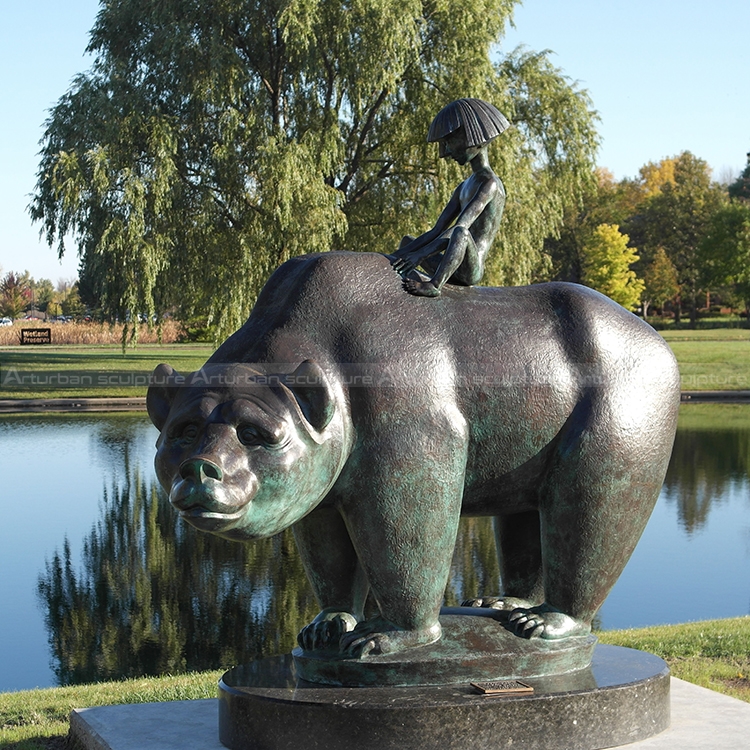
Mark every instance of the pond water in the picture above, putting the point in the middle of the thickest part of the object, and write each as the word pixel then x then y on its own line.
pixel 98 580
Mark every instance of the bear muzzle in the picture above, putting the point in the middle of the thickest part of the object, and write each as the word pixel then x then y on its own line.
pixel 203 498
pixel 201 469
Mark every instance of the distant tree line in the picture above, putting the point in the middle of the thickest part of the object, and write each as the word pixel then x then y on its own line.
pixel 21 295
pixel 665 238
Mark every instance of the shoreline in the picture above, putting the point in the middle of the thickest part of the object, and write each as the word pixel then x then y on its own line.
pixel 55 405
pixel 715 397
pixel 138 403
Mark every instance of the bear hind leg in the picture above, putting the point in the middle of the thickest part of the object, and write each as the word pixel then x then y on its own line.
pixel 597 497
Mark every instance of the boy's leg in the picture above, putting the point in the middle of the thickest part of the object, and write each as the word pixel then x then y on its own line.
pixel 460 263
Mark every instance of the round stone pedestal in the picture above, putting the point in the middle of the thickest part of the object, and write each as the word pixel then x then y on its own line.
pixel 622 697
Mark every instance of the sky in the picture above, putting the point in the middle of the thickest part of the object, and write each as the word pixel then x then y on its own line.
pixel 665 76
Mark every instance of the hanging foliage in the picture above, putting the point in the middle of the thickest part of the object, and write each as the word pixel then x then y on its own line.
pixel 212 141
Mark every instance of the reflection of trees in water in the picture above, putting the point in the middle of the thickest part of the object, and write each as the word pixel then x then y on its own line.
pixel 704 465
pixel 115 438
pixel 154 595
pixel 475 571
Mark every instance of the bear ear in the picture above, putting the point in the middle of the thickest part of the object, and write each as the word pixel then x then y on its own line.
pixel 161 393
pixel 312 391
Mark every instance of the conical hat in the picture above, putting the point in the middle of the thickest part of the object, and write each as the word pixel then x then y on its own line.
pixel 481 121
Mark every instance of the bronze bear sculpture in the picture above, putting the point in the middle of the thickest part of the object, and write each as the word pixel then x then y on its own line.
pixel 369 420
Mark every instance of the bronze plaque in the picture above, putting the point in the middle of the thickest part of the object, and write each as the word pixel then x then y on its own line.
pixel 503 687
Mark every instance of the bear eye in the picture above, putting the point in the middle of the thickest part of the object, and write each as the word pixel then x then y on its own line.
pixel 249 435
pixel 186 434
pixel 252 435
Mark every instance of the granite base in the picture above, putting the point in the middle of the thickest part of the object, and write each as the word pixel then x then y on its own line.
pixel 701 720
pixel 621 698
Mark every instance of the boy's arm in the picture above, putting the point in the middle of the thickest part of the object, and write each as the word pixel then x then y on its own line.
pixel 445 220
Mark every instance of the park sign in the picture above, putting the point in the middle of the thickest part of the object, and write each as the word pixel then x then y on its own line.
pixel 36 336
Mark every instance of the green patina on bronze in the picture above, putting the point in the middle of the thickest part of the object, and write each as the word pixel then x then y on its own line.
pixel 473 646
pixel 368 420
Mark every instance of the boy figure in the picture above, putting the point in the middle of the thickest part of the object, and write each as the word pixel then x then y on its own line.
pixel 456 247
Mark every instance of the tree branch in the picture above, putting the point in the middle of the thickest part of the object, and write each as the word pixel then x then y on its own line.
pixel 364 189
pixel 356 160
pixel 273 92
pixel 242 46
pixel 215 194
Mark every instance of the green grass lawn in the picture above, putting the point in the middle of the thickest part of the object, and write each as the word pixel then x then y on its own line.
pixel 38 719
pixel 712 359
pixel 707 334
pixel 90 371
pixel 709 359
pixel 714 654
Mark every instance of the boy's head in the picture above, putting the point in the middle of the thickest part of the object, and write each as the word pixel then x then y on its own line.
pixel 481 122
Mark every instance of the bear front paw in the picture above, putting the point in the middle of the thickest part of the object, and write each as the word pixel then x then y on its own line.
pixel 379 636
pixel 505 603
pixel 325 631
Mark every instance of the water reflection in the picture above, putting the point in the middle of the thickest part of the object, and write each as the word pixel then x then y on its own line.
pixel 475 569
pixel 705 464
pixel 151 594
pixel 155 596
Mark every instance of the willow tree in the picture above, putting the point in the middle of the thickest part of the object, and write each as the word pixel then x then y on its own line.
pixel 210 141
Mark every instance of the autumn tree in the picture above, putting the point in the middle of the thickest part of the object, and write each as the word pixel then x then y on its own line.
pixel 660 281
pixel 605 202
pixel 606 266
pixel 15 294
pixel 655 175
pixel 212 141
pixel 675 216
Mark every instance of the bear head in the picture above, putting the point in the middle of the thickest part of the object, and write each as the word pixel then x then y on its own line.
pixel 244 454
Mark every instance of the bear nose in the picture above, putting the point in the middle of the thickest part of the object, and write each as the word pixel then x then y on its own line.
pixel 199 468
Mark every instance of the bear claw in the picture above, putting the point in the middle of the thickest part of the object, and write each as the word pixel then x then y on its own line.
pixel 545 622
